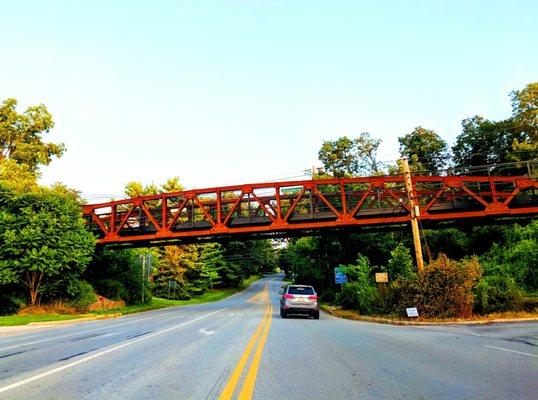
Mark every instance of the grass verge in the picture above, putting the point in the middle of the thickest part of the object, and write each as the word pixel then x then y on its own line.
pixel 12 320
pixel 509 316
pixel 156 303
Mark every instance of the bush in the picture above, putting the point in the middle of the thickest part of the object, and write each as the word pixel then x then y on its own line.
pixel 357 296
pixel 57 307
pixel 443 289
pixel 400 263
pixel 122 266
pixel 497 293
pixel 11 304
pixel 81 294
pixel 360 292
pixel 530 302
pixel 161 289
pixel 111 289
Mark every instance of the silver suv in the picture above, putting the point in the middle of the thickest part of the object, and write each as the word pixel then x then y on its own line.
pixel 299 299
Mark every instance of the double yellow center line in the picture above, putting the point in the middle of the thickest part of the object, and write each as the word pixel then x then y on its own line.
pixel 259 337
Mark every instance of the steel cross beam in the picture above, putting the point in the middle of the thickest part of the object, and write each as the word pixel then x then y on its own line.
pixel 306 205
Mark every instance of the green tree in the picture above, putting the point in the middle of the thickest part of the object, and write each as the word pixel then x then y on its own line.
pixel 424 147
pixel 360 292
pixel 137 189
pixel 525 115
pixel 525 109
pixel 117 274
pixel 172 185
pixel 349 157
pixel 484 142
pixel 21 135
pixel 366 149
pixel 212 263
pixel 17 177
pixel 400 264
pixel 42 235
pixel 338 157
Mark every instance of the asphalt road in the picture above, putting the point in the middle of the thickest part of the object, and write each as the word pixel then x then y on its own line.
pixel 241 348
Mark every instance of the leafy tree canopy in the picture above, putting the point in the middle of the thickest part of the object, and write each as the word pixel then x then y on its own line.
pixel 18 178
pixel 425 147
pixel 525 109
pixel 350 157
pixel 21 135
pixel 42 234
pixel 484 142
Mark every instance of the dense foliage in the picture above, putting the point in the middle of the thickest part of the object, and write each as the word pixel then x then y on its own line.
pixel 42 236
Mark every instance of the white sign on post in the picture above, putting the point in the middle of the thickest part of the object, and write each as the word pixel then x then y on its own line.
pixel 412 312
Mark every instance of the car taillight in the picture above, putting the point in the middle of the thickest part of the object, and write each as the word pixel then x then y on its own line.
pixel 289 296
pixel 313 297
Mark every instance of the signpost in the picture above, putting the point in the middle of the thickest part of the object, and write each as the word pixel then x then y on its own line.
pixel 172 285
pixel 146 261
pixel 339 276
pixel 381 277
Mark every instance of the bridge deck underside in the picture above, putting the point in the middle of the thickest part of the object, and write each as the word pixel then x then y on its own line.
pixel 287 207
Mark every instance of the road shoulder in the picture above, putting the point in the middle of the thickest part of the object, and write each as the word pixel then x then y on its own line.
pixel 355 316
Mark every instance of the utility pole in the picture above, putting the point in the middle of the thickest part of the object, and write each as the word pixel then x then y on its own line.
pixel 414 210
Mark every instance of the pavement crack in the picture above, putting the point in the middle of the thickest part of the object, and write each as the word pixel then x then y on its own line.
pixel 13 354
pixel 138 335
pixel 216 388
pixel 77 339
pixel 516 340
pixel 73 356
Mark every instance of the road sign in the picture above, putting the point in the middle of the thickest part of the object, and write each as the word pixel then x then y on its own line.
pixel 172 285
pixel 381 277
pixel 412 312
pixel 339 276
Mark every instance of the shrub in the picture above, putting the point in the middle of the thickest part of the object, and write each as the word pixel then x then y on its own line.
pixel 122 266
pixel 400 263
pixel 360 292
pixel 443 289
pixel 11 304
pixel 81 293
pixel 530 302
pixel 111 288
pixel 497 293
pixel 57 307
pixel 357 296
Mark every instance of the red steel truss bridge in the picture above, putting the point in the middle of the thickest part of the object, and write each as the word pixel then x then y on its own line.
pixel 279 209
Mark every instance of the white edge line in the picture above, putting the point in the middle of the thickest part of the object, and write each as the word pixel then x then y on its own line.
pixel 91 357
pixel 511 351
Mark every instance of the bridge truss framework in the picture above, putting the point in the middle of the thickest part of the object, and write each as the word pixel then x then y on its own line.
pixel 286 208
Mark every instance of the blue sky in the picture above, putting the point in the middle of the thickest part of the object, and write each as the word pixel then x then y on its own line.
pixel 224 92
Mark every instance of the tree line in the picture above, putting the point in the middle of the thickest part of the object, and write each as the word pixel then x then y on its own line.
pixel 481 142
pixel 480 269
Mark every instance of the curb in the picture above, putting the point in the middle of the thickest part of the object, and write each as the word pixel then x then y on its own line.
pixel 388 321
pixel 68 321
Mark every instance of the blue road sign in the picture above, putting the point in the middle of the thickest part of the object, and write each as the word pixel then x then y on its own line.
pixel 339 276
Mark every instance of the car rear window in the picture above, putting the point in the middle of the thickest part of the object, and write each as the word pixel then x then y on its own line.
pixel 300 290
